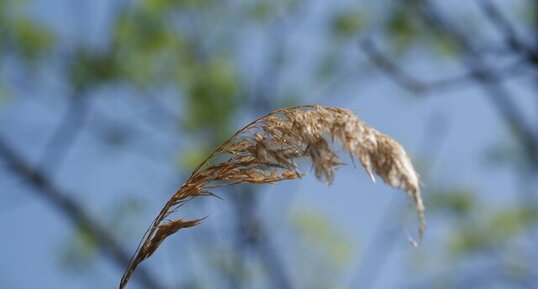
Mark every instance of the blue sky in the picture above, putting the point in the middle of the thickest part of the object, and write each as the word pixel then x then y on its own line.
pixel 454 128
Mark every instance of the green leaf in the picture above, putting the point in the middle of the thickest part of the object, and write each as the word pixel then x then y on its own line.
pixel 460 202
pixel 213 99
pixel 443 46
pixel 92 69
pixel 32 39
pixel 324 248
pixel 347 23
pixel 5 94
pixel 261 10
pixel 80 252
pixel 191 157
pixel 402 29
pixel 491 230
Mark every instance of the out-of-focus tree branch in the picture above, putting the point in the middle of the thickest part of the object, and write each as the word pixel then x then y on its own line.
pixel 505 27
pixel 478 277
pixel 479 72
pixel 74 212
pixel 65 133
pixel 490 82
pixel 384 240
pixel 379 250
pixel 416 85
pixel 252 234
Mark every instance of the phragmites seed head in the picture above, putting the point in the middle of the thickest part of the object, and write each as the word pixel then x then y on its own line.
pixel 266 151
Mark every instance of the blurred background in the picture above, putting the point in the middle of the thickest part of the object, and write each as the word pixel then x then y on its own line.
pixel 106 107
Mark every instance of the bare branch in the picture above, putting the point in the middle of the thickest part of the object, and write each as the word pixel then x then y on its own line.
pixel 251 233
pixel 65 134
pixel 490 81
pixel 74 212
pixel 418 86
pixel 497 19
pixel 392 69
pixel 379 249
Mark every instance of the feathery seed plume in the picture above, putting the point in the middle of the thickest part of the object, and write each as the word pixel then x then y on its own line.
pixel 266 150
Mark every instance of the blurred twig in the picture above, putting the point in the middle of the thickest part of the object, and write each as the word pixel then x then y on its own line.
pixel 384 239
pixel 379 249
pixel 479 72
pixel 504 26
pixel 74 212
pixel 251 233
pixel 491 82
pixel 416 85
pixel 65 134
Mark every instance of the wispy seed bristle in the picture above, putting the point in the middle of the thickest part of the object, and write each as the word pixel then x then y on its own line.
pixel 266 151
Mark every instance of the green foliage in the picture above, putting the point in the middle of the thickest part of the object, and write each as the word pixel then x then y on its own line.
pixel 406 27
pixel 458 202
pixel 509 153
pixel 403 27
pixel 347 23
pixel 228 262
pixel 190 157
pixel 261 10
pixel 149 50
pixel 213 99
pixel 123 216
pixel 490 230
pixel 32 39
pixel 5 94
pixel 323 249
pixel 80 251
pixel 162 6
pixel 192 285
pixel 443 46
pixel 152 46
pixel 81 248
pixel 28 38
pixel 90 69
pixel 211 85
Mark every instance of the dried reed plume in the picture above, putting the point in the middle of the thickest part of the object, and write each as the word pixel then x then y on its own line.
pixel 266 151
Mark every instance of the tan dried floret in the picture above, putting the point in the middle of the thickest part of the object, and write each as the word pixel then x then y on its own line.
pixel 266 151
